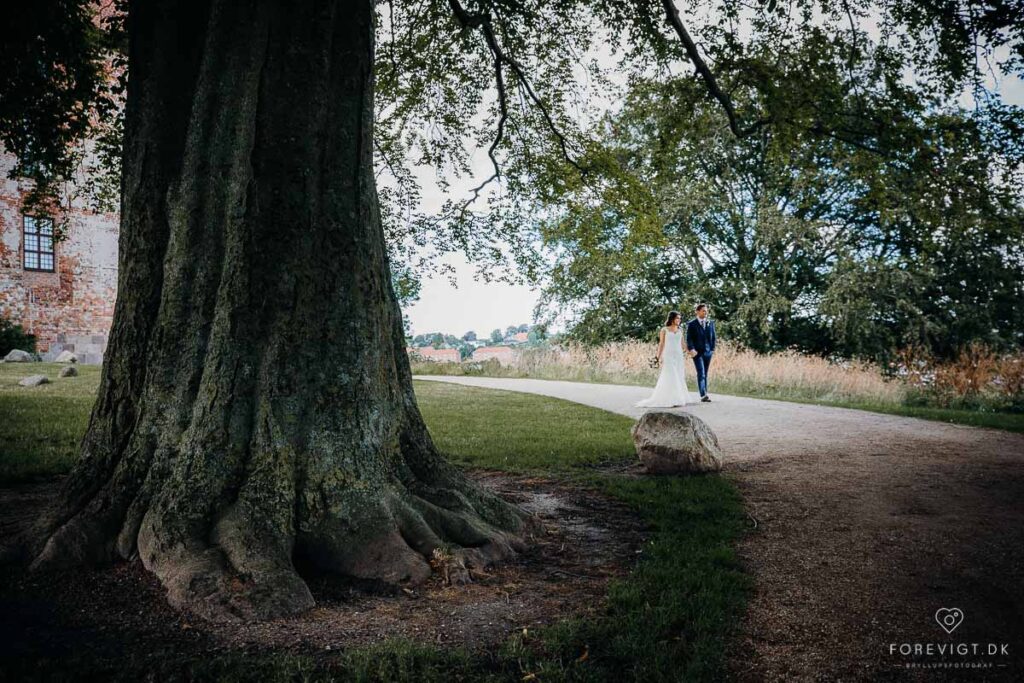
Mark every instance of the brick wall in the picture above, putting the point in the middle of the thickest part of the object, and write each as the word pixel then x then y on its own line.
pixel 73 306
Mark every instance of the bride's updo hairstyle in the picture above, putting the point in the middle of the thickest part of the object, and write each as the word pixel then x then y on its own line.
pixel 672 315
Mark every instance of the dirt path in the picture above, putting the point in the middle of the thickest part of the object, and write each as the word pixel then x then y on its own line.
pixel 867 525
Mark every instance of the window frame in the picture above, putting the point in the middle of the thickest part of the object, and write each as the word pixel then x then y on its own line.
pixel 39 253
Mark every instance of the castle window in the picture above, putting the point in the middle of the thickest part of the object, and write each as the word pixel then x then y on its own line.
pixel 38 234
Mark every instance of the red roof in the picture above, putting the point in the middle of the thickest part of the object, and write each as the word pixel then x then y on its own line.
pixel 430 353
pixel 485 352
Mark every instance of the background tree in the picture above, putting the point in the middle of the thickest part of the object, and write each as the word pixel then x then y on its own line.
pixel 946 267
pixel 54 86
pixel 830 245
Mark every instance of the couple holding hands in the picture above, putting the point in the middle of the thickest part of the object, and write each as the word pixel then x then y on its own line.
pixel 699 340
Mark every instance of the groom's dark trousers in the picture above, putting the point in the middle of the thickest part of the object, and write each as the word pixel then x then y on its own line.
pixel 701 340
pixel 702 361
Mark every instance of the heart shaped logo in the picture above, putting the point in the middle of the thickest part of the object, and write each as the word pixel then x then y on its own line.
pixel 949 618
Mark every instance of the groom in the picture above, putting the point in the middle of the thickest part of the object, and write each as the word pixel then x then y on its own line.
pixel 700 342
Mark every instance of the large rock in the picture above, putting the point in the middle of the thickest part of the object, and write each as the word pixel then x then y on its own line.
pixel 676 443
pixel 34 381
pixel 19 356
pixel 66 356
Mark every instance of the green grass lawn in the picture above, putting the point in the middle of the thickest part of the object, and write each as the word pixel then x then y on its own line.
pixel 669 620
pixel 519 433
pixel 41 427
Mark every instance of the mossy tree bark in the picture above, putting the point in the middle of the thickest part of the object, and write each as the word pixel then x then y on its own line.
pixel 256 403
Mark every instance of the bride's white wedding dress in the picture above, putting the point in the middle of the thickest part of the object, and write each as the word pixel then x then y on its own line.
pixel 671 387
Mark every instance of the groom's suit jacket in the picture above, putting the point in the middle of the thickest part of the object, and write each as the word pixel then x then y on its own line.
pixel 700 339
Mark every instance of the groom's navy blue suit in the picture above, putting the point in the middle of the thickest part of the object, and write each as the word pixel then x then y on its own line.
pixel 702 340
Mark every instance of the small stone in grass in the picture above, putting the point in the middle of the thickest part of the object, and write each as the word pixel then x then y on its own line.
pixel 69 371
pixel 34 381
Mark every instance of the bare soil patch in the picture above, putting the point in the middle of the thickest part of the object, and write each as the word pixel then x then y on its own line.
pixel 588 539
pixel 867 526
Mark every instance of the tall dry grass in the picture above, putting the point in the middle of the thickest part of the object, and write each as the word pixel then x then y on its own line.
pixel 787 374
pixel 979 378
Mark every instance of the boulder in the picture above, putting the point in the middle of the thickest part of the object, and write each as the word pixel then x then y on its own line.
pixel 676 443
pixel 34 381
pixel 69 371
pixel 19 356
pixel 66 357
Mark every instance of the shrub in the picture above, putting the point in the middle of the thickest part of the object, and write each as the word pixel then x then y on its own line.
pixel 15 337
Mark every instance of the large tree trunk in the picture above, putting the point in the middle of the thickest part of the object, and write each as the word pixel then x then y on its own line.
pixel 256 405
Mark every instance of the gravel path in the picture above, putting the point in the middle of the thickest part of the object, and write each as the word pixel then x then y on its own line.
pixel 867 525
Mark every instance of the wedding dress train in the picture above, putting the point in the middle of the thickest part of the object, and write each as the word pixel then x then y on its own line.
pixel 671 387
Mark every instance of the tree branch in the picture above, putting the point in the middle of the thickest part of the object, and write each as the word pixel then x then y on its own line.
pixel 499 79
pixel 705 72
pixel 483 22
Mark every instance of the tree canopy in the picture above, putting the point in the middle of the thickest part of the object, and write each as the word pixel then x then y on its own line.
pixel 798 239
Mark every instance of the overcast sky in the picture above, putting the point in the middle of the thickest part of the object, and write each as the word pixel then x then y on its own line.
pixel 471 305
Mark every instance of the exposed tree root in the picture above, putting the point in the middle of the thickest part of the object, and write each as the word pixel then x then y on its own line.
pixel 238 564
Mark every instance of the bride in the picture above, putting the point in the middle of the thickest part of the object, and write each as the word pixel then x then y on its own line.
pixel 671 387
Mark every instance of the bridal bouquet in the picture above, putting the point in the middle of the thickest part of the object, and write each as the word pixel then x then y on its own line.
pixel 653 362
